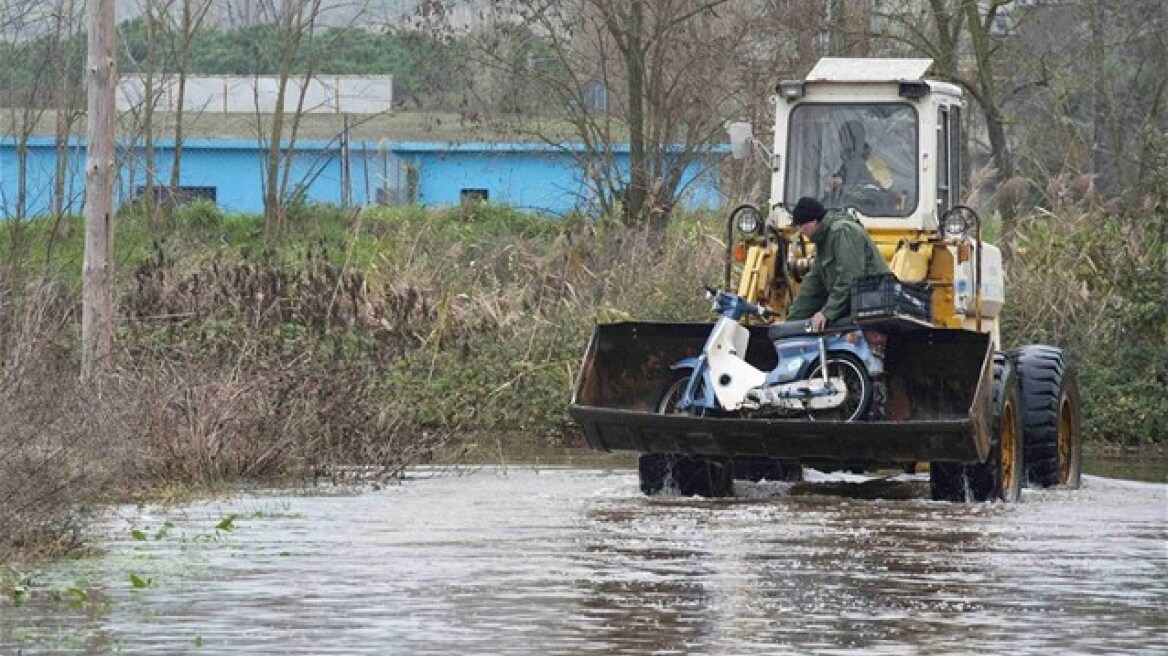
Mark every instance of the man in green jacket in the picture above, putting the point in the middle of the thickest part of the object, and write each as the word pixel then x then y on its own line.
pixel 843 250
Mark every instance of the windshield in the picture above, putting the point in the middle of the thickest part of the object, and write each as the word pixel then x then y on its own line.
pixel 862 156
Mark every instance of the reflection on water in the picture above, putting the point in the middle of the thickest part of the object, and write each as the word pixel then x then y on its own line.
pixel 564 561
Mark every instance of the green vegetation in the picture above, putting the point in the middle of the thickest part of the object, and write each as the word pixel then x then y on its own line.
pixel 1096 287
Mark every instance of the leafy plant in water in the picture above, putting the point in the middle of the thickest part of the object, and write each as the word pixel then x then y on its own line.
pixel 227 524
pixel 19 594
pixel 76 597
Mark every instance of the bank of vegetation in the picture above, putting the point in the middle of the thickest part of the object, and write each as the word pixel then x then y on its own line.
pixel 388 337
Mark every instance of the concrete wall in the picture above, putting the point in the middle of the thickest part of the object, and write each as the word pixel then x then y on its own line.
pixel 329 94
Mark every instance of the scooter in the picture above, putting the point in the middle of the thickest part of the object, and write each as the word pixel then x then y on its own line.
pixel 720 381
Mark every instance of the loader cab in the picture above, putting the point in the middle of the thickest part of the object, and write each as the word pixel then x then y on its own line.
pixel 872 135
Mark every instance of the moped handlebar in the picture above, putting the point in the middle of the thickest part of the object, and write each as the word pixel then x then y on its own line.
pixel 727 302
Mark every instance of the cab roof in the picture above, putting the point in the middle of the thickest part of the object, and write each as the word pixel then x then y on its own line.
pixel 846 69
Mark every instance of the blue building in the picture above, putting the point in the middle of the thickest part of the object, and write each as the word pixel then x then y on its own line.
pixel 534 177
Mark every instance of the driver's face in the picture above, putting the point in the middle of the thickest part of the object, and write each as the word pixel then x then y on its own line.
pixel 808 229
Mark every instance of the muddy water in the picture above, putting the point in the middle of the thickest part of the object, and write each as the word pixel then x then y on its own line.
pixel 570 561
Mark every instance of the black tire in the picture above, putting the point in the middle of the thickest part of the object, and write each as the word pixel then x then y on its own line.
pixel 652 469
pixel 771 469
pixel 1052 416
pixel 947 482
pixel 685 475
pixel 1000 476
pixel 859 383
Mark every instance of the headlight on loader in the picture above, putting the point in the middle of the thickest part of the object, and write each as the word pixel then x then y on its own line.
pixel 748 219
pixel 954 225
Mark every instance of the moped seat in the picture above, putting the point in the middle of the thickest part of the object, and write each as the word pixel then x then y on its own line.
pixel 784 329
pixel 801 328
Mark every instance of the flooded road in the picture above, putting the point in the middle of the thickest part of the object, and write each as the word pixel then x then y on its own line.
pixel 568 561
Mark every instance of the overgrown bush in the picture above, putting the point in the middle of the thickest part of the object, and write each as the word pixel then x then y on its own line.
pixel 1092 280
pixel 50 433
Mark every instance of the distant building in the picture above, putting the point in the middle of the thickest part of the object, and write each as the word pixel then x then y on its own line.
pixel 527 176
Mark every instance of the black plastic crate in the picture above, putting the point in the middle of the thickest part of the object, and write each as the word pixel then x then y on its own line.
pixel 881 295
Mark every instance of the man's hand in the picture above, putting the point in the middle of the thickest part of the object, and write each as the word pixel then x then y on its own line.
pixel 818 322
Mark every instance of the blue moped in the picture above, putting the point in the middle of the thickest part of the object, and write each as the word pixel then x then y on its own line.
pixel 720 382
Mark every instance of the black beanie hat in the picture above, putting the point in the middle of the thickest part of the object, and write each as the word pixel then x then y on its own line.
pixel 807 209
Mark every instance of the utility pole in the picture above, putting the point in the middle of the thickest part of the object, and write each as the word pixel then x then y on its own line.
pixel 97 275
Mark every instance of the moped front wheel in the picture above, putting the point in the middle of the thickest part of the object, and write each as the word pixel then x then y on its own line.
pixel 671 397
pixel 856 379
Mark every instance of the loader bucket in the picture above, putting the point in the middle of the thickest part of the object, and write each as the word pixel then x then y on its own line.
pixel 938 380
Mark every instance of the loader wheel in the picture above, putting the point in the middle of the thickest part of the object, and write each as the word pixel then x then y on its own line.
pixel 859 384
pixel 772 469
pixel 685 475
pixel 652 469
pixel 1052 416
pixel 1000 476
pixel 947 481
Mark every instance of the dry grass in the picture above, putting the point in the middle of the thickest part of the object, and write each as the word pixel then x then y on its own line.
pixel 50 428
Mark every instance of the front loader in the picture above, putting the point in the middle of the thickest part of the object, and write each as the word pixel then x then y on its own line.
pixel 878 140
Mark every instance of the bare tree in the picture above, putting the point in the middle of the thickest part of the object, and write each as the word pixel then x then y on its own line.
pixel 189 23
pixel 297 22
pixel 1083 93
pixel 635 72
pixel 30 107
pixel 66 67
pixel 151 73
pixel 963 39
pixel 41 63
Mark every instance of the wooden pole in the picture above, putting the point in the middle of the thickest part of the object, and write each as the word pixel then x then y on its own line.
pixel 97 276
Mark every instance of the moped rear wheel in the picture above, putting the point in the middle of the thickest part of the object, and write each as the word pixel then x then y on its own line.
pixel 857 381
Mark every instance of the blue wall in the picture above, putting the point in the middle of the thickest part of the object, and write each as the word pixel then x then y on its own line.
pixel 528 176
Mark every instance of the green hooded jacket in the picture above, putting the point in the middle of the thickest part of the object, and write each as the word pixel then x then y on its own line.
pixel 843 250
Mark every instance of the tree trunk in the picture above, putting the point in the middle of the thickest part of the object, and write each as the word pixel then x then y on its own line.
pixel 191 22
pixel 638 175
pixel 987 94
pixel 1003 162
pixel 148 113
pixel 1101 155
pixel 97 270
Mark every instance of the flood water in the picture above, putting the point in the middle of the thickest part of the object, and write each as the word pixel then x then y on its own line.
pixel 524 560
